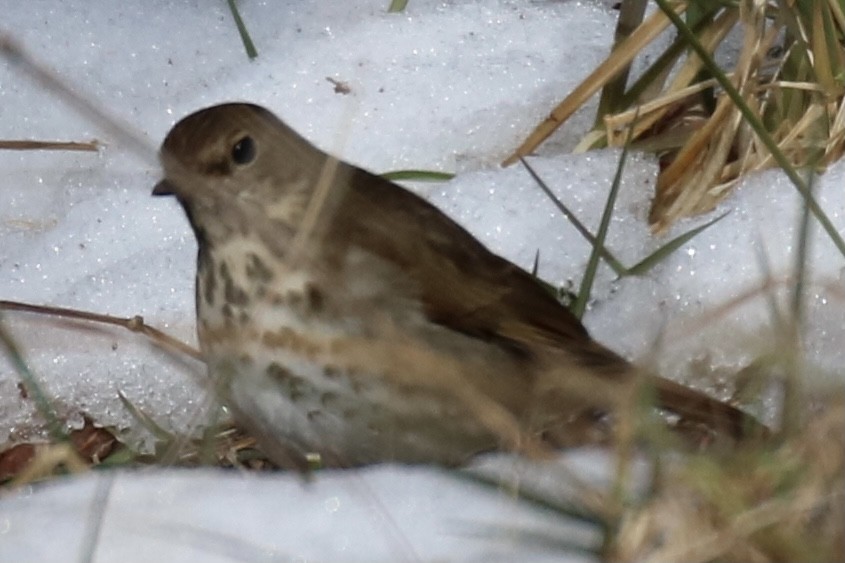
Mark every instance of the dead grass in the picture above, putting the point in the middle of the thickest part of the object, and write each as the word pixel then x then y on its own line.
pixel 781 501
pixel 709 126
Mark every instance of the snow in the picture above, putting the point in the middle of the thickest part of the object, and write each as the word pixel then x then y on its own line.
pixel 375 514
pixel 444 86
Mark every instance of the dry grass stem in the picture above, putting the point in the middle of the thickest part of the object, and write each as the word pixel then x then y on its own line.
pixel 90 146
pixel 788 70
pixel 133 324
pixel 621 58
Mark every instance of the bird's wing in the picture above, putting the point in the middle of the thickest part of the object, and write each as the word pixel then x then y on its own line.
pixel 467 288
pixel 461 283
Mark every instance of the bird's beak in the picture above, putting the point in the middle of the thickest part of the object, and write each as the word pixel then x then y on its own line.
pixel 164 188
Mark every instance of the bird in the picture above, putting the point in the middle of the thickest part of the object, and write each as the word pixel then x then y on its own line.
pixel 346 321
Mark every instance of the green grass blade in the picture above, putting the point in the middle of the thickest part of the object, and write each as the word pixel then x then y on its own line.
pixel 792 393
pixel 417 176
pixel 397 5
pixel 251 52
pixel 580 304
pixel 96 518
pixel 650 261
pixel 801 254
pixel 611 261
pixel 765 266
pixel 145 420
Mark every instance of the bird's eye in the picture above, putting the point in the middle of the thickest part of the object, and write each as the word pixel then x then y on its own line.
pixel 243 152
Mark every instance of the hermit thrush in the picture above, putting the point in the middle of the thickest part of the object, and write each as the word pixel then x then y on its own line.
pixel 343 316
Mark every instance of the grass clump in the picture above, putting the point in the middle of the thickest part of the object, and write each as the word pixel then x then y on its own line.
pixel 702 120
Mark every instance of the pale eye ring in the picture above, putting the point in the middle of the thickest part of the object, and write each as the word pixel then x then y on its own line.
pixel 244 150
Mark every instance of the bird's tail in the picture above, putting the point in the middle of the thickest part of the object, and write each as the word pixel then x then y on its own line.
pixel 699 409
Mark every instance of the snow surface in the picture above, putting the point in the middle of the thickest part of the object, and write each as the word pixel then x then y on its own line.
pixel 450 86
pixel 374 514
